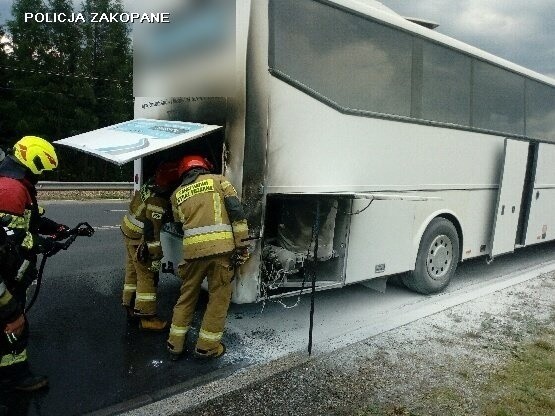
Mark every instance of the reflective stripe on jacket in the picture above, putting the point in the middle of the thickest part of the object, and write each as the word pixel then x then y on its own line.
pixel 212 216
pixel 145 219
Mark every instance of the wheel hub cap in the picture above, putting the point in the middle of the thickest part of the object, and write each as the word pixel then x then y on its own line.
pixel 440 257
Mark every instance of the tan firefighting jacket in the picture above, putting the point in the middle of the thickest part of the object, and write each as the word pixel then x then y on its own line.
pixel 212 216
pixel 144 219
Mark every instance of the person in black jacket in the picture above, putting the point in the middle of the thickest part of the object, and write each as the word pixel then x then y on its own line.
pixel 26 233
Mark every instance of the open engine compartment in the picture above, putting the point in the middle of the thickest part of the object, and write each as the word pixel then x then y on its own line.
pixel 305 237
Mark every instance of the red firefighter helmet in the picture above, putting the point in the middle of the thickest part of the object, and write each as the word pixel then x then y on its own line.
pixel 167 174
pixel 195 161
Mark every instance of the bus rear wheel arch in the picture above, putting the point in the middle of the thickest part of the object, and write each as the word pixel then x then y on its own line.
pixel 437 258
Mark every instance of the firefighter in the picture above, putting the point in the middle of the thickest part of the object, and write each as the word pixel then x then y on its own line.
pixel 28 234
pixel 214 243
pixel 141 226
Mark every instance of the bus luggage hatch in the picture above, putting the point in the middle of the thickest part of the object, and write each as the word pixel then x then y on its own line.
pixel 509 198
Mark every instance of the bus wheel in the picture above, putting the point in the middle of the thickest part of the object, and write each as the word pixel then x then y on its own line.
pixel 437 259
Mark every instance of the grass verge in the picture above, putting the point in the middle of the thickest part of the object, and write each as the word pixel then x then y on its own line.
pixel 522 386
pixel 526 385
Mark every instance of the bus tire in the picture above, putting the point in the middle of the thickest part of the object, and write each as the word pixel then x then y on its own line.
pixel 437 258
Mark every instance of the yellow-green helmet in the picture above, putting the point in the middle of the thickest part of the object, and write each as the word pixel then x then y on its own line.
pixel 36 154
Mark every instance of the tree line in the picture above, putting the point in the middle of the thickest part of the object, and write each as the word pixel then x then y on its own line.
pixel 61 79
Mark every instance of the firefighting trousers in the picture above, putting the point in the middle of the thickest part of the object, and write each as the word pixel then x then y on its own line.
pixel 139 289
pixel 10 364
pixel 219 273
pixel 13 352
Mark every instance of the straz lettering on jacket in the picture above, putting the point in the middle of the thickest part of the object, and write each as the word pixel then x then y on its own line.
pixel 196 188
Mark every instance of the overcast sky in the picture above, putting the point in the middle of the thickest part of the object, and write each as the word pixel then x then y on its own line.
pixel 522 31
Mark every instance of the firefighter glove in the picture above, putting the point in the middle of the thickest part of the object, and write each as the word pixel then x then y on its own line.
pixel 240 256
pixel 62 232
pixel 50 246
pixel 85 232
pixel 16 327
pixel 143 255
pixel 45 244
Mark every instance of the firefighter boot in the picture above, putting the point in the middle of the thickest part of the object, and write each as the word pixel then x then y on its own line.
pixel 31 382
pixel 19 377
pixel 174 355
pixel 153 323
pixel 213 353
pixel 176 341
pixel 130 314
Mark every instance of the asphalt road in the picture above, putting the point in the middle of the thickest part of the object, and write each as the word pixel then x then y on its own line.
pixel 79 334
pixel 95 360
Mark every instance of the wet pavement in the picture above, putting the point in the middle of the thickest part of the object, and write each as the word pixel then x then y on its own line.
pixel 80 337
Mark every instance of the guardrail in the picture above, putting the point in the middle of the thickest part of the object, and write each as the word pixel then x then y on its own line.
pixel 84 186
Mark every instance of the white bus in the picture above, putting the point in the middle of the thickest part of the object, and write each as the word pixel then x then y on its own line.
pixel 417 150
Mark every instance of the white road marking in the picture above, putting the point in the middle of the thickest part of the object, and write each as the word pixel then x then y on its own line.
pixel 107 227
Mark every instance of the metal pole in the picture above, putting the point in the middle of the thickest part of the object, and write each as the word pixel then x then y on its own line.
pixel 315 232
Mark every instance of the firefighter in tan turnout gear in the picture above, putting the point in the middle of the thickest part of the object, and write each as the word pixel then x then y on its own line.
pixel 214 234
pixel 141 232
